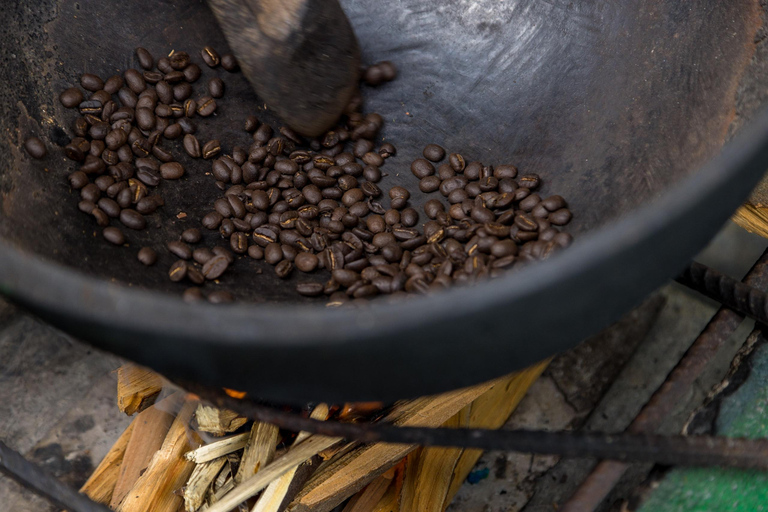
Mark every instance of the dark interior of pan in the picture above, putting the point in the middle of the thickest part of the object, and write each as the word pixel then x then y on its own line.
pixel 619 105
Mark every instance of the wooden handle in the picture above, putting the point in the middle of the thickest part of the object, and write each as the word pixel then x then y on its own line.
pixel 301 56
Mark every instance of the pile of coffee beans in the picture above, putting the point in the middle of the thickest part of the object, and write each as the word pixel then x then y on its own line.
pixel 300 204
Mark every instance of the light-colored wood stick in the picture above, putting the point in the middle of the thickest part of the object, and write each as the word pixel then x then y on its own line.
pixel 433 472
pixel 275 493
pixel 259 451
pixel 292 458
pixel 411 473
pixel 491 410
pixel 752 218
pixel 101 484
pixel 390 502
pixel 354 470
pixel 218 449
pixel 200 481
pixel 156 489
pixel 366 500
pixel 218 422
pixel 137 388
pixel 152 426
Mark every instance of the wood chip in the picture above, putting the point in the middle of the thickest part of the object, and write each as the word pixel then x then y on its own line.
pixel 276 492
pixel 218 422
pixel 167 472
pixel 152 425
pixel 137 388
pixel 293 458
pixel 259 451
pixel 218 449
pixel 200 482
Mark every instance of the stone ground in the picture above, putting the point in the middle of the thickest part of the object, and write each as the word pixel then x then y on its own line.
pixel 57 395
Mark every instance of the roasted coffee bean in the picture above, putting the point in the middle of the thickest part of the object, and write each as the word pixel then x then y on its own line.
pixel 146 205
pixel 86 206
pixel 433 152
pixel 310 289
pixel 553 203
pixel 192 146
pixel 179 60
pixel 78 180
pixel 102 219
pixel 530 181
pixel 210 57
pixel 422 168
pixel 36 148
pixel 180 249
pixel 482 215
pixel 132 219
pixel 171 170
pixel 98 131
pixel 135 81
pixel 147 256
pixel 251 124
pixel 109 206
pixel 227 228
pixel 206 106
pixel 429 184
pixel 306 261
pixel 372 174
pixel 91 82
pixel 93 165
pixel 162 154
pixel 192 73
pixel 375 223
pixel 104 182
pixel 220 297
pixel 372 158
pixel 456 162
pixel 239 242
pixel 262 135
pixel 457 196
pixel 386 150
pixel 529 202
pixel 178 271
pixel 229 62
pixel 211 149
pixel 560 217
pixel 164 64
pixel 445 171
pixel 505 172
pixel 173 131
pixel 215 267
pixel 472 170
pixel 145 118
pixel 284 269
pixel 182 92
pixel 194 274
pixel 113 84
pixel 115 139
pixel 202 255
pixel 71 97
pixel 113 235
pixel 191 235
pixel 145 58
pixel 216 87
pixel 192 295
pixel 124 196
pixel 273 254
pixel 409 217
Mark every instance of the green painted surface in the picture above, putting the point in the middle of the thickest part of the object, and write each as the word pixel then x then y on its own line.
pixel 742 414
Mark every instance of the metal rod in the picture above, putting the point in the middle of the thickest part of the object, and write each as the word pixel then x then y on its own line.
pixel 604 477
pixel 29 475
pixel 678 450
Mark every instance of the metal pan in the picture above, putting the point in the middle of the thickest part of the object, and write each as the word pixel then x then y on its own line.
pixel 622 107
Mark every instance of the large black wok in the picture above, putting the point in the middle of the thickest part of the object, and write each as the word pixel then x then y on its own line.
pixel 622 106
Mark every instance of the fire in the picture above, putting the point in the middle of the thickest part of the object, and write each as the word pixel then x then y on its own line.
pixel 239 395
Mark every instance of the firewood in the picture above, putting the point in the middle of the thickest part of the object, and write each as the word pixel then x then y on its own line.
pixel 218 449
pixel 294 457
pixel 152 426
pixel 259 451
pixel 391 499
pixel 368 498
pixel 101 484
pixel 276 492
pixel 492 410
pixel 217 421
pixel 156 489
pixel 432 471
pixel 200 482
pixel 137 388
pixel 349 473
